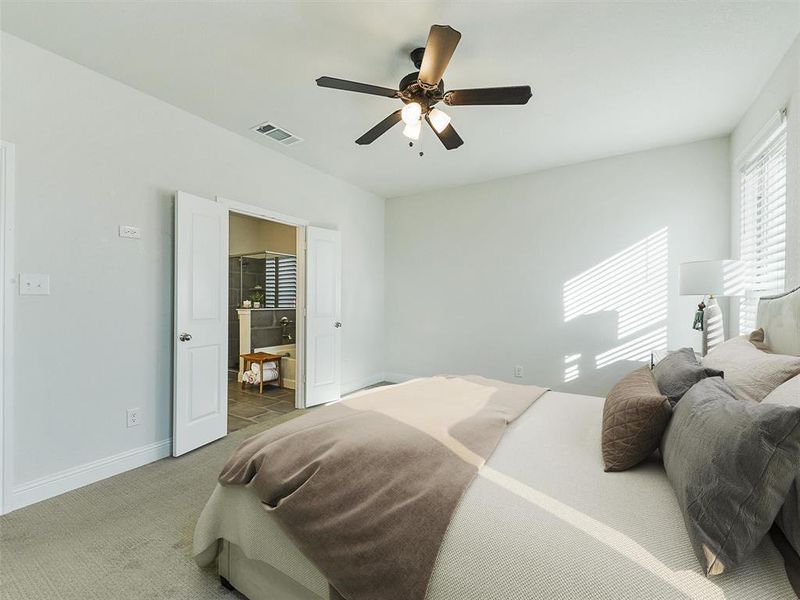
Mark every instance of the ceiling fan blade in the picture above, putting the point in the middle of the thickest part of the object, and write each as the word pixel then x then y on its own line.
pixel 448 136
pixel 354 86
pixel 518 94
pixel 442 42
pixel 379 129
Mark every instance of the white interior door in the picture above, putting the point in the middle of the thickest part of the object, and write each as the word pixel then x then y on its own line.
pixel 323 316
pixel 200 405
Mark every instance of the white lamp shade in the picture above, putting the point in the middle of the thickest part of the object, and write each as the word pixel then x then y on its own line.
pixel 439 119
pixel 717 277
pixel 412 130
pixel 411 113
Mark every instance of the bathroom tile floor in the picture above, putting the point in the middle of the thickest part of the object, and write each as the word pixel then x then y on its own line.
pixel 247 406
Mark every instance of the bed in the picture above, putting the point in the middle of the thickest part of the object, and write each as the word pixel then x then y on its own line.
pixel 550 525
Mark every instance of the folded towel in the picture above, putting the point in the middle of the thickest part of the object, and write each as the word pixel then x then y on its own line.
pixel 268 365
pixel 269 373
pixel 250 377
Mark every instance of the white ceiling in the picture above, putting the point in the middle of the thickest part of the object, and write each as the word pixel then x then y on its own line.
pixel 608 77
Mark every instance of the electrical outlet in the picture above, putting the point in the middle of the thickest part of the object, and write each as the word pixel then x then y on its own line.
pixel 129 231
pixel 519 371
pixel 134 416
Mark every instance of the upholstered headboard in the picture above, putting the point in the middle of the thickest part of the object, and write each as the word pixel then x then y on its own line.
pixel 780 317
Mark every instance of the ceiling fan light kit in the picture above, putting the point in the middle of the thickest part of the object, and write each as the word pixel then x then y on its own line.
pixel 411 113
pixel 439 119
pixel 412 130
pixel 421 90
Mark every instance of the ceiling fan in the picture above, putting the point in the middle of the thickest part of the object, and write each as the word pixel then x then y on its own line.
pixel 421 90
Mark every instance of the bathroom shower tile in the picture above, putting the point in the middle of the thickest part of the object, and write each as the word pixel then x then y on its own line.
pixel 263 337
pixel 248 281
pixel 257 266
pixel 263 318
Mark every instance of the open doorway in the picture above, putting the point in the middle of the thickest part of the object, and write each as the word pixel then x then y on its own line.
pixel 201 369
pixel 262 320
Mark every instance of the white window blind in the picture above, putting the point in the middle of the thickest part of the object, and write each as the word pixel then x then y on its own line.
pixel 763 225
pixel 280 290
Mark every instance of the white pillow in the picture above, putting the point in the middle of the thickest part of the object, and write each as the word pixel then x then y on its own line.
pixel 750 372
pixel 787 393
pixel 780 318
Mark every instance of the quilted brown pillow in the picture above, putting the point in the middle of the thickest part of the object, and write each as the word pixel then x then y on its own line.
pixel 634 419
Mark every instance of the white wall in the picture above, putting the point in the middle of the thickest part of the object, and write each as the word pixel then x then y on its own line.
pixel 781 91
pixel 475 275
pixel 93 154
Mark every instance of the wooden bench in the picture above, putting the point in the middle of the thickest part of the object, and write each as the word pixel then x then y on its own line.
pixel 261 358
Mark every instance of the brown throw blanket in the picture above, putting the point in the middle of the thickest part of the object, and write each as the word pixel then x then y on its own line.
pixel 366 487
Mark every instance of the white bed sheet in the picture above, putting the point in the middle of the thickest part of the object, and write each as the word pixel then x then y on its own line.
pixel 541 520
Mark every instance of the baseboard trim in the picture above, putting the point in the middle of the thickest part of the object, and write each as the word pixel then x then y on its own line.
pixel 353 386
pixel 399 377
pixel 76 477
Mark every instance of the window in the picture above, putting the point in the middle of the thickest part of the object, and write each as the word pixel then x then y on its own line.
pixel 763 225
pixel 280 290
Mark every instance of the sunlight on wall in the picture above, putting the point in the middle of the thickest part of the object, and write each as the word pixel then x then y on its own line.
pixel 636 349
pixel 715 331
pixel 571 368
pixel 632 284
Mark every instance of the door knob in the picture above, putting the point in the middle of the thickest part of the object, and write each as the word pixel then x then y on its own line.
pixel 185 337
pixel 337 325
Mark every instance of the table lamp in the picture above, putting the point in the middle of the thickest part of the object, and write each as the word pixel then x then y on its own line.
pixel 711 278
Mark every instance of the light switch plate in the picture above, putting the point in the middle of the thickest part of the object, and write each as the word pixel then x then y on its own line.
pixel 34 284
pixel 129 231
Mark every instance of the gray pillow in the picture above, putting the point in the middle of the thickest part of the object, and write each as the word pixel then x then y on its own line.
pixel 731 464
pixel 679 371
pixel 789 517
pixel 788 394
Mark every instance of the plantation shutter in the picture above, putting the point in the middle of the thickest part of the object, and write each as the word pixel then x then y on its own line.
pixel 763 225
pixel 281 282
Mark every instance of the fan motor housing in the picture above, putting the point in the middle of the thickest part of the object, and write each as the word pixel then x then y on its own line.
pixel 416 56
pixel 412 91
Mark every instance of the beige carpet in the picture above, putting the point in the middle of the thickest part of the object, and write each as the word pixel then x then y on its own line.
pixel 125 538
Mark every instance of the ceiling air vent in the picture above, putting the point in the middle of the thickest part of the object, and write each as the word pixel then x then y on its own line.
pixel 277 134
